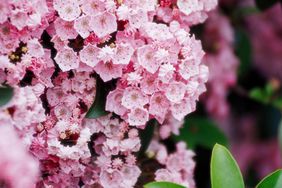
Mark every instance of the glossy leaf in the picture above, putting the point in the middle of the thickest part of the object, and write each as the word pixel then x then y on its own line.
pixel 273 180
pixel 98 107
pixel 200 131
pixel 162 185
pixel 265 4
pixel 259 95
pixel 6 94
pixel 224 169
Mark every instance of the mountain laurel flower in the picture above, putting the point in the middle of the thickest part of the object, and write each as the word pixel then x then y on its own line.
pixel 52 53
pixel 103 24
pixel 67 59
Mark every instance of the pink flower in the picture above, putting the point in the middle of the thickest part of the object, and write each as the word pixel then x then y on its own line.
pixel 89 55
pixel 179 167
pixel 187 7
pixel 111 179
pixel 133 97
pixel 62 112
pixel 19 169
pixel 90 7
pixel 157 32
pixel 134 78
pixel 267 28
pixel 179 110
pixel 35 49
pixel 67 59
pixel 188 69
pixel 175 91
pixel 131 173
pixel 166 72
pixel 54 96
pixel 18 19
pixel 130 145
pixel 68 10
pixel 159 106
pixel 123 12
pixel 108 70
pixel 149 84
pixel 131 159
pixel 138 18
pixel 4 11
pixel 224 60
pixel 64 29
pixel 124 51
pixel 138 117
pixel 163 175
pixel 147 59
pixel 106 54
pixel 103 24
pixel 156 64
pixel 114 102
pixel 81 25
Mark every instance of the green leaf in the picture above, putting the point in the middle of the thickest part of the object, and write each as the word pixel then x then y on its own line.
pixel 269 90
pixel 6 94
pixel 162 185
pixel 265 95
pixel 146 136
pixel 259 95
pixel 277 103
pixel 273 180
pixel 246 11
pixel 98 107
pixel 200 131
pixel 243 51
pixel 265 4
pixel 280 135
pixel 224 169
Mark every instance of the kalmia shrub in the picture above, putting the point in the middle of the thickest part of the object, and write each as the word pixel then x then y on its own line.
pixel 58 55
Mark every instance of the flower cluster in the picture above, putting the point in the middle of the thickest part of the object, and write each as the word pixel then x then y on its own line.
pixel 21 26
pixel 222 63
pixel 52 51
pixel 97 152
pixel 114 143
pixel 159 83
pixel 267 28
pixel 18 167
pixel 179 166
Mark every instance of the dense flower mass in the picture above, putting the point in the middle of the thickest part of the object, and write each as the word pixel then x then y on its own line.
pixel 53 51
pixel 179 166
